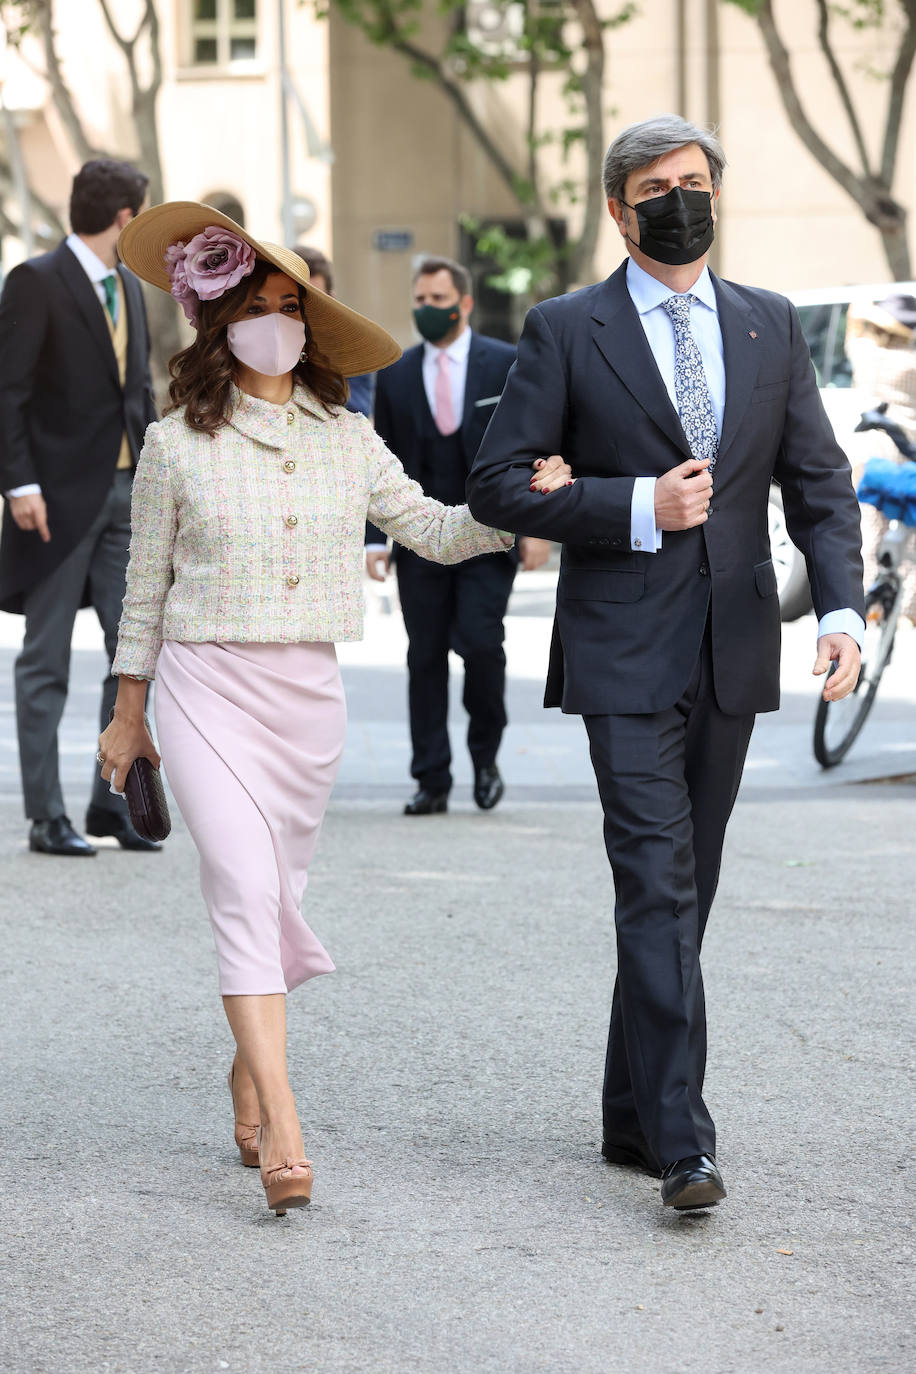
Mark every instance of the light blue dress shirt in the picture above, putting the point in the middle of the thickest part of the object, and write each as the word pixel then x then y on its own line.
pixel 647 294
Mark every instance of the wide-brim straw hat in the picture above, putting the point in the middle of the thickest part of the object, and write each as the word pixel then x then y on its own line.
pixel 350 343
pixel 891 315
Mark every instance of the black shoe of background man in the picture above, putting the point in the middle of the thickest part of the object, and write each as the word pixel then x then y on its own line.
pixel 426 803
pixel 57 836
pixel 692 1182
pixel 102 822
pixel 488 787
pixel 631 1156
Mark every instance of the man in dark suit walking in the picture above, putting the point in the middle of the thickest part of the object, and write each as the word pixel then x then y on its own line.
pixel 675 398
pixel 75 401
pixel 431 408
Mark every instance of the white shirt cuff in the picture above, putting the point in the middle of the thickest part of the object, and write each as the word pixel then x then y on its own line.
pixel 845 622
pixel 29 489
pixel 376 548
pixel 644 536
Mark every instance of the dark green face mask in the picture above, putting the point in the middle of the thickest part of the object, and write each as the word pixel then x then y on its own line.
pixel 434 321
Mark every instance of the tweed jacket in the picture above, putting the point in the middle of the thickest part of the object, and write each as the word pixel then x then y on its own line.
pixel 255 534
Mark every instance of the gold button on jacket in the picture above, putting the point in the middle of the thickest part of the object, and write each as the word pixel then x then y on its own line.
pixel 292 520
pixel 289 465
pixel 292 581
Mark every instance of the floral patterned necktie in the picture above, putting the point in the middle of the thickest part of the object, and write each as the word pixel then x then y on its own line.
pixel 694 404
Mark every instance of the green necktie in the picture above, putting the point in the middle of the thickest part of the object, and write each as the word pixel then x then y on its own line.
pixel 111 295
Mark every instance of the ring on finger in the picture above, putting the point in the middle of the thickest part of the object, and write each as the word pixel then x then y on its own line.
pixel 100 757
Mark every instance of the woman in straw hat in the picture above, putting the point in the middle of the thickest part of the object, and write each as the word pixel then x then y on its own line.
pixel 249 509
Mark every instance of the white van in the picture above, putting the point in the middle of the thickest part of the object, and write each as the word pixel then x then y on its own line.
pixel 823 318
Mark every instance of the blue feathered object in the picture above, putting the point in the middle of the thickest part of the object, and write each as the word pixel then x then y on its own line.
pixel 891 487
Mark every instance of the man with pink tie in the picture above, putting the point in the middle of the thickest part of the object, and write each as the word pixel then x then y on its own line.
pixel 431 408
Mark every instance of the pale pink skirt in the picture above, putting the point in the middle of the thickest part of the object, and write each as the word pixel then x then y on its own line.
pixel 251 737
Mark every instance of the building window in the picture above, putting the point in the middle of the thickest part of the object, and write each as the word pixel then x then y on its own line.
pixel 223 32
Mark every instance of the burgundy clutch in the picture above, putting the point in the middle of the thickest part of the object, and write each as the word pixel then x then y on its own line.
pixel 145 797
pixel 146 803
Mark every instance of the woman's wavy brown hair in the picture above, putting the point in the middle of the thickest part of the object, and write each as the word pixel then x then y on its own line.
pixel 203 373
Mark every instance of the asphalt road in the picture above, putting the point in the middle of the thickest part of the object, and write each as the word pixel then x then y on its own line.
pixel 448 1076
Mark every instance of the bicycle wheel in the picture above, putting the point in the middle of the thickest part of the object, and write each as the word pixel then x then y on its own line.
pixel 837 723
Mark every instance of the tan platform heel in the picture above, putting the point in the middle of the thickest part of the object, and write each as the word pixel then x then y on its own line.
pixel 295 1190
pixel 246 1136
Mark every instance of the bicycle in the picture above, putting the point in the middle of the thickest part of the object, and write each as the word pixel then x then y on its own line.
pixel 838 723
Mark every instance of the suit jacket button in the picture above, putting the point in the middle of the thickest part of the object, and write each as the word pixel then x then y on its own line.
pixel 289 465
pixel 703 569
pixel 637 543
pixel 292 581
pixel 616 542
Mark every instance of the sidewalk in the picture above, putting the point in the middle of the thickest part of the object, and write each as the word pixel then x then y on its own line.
pixel 448 1079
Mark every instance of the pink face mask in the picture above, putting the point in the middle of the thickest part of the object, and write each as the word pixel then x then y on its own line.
pixel 269 344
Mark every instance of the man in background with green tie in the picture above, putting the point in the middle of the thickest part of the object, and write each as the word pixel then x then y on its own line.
pixel 75 401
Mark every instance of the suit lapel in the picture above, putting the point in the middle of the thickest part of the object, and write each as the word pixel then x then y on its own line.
pixel 90 306
pixel 741 344
pixel 473 382
pixel 133 306
pixel 622 341
pixel 422 415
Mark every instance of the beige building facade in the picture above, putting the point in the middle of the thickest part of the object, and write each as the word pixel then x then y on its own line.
pixel 381 168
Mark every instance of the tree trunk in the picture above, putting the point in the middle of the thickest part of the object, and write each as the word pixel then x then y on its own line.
pixel 161 309
pixel 897 251
pixel 872 191
pixel 582 259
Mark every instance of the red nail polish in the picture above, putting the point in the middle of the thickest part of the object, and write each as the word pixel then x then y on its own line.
pixel 569 482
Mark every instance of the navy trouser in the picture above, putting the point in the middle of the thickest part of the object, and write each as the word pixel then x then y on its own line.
pixel 459 607
pixel 668 782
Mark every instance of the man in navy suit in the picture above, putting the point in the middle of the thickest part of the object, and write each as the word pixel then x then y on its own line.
pixel 431 408
pixel 675 398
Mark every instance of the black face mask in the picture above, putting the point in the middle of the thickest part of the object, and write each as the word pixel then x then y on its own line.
pixel 434 321
pixel 676 228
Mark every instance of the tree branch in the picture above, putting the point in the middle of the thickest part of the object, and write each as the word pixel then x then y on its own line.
pixel 839 80
pixel 593 92
pixel 785 82
pixel 899 77
pixel 450 87
pixel 48 213
pixel 60 91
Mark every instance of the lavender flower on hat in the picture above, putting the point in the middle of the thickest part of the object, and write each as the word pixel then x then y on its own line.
pixel 207 266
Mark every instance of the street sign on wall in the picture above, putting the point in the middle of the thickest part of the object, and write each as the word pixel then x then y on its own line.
pixel 392 240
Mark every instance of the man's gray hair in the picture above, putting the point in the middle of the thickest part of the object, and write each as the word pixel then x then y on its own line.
pixel 639 145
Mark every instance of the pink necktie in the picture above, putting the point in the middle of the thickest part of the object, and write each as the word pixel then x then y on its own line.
pixel 445 413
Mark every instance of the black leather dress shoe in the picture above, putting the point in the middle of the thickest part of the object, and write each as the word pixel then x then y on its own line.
pixel 692 1182
pixel 488 787
pixel 57 836
pixel 102 822
pixel 630 1156
pixel 426 803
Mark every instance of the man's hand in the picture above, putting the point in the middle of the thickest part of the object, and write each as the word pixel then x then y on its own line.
pixel 377 564
pixel 844 652
pixel 682 495
pixel 533 552
pixel 31 513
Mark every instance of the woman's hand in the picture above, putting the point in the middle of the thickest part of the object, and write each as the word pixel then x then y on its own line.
pixel 127 737
pixel 551 473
